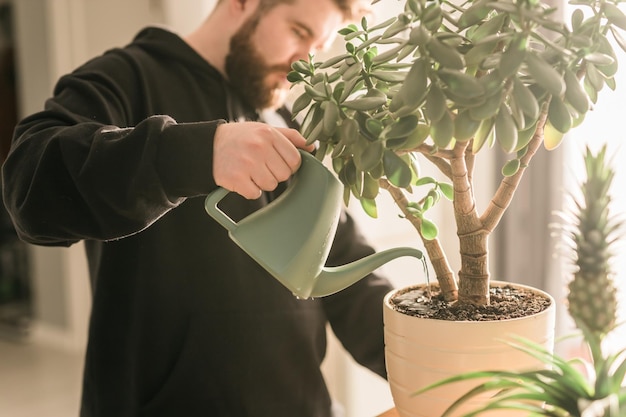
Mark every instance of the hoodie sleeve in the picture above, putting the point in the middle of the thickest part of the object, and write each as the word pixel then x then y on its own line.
pixel 80 170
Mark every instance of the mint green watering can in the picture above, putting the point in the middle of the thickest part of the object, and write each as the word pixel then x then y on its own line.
pixel 291 236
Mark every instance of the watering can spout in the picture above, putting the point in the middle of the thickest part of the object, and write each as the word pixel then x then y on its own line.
pixel 336 278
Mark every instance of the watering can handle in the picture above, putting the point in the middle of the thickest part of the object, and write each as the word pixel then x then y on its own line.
pixel 210 205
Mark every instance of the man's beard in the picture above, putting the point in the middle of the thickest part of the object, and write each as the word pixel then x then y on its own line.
pixel 247 71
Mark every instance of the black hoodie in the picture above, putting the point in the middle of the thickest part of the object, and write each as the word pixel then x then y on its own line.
pixel 183 322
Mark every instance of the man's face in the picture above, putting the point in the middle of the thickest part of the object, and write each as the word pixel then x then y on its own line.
pixel 263 49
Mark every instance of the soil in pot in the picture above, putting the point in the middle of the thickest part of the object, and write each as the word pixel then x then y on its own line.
pixel 506 302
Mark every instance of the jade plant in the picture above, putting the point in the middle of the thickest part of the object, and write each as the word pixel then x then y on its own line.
pixel 438 84
pixel 594 387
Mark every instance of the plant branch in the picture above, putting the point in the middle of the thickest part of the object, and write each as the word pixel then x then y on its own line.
pixel 438 158
pixel 504 194
pixel 436 255
pixel 470 159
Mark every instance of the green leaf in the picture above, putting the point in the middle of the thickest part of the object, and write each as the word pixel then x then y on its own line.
pixel 559 116
pixel 591 91
pixel 428 229
pixel 302 67
pixel 389 76
pixel 401 128
pixel 317 92
pixel 490 27
pixel 525 99
pixel 524 136
pixel 552 137
pixel 598 58
pixel 428 203
pixel 331 117
pixel 353 71
pixel 374 127
pixel 349 131
pixel 574 93
pixel 387 56
pixel 462 84
pixel 483 134
pixel 487 109
pixel 506 131
pixel 396 27
pixel 435 104
pixel 348 89
pixel 511 167
pixel 383 24
pixel 294 77
pixel 347 174
pixel 365 103
pixel 606 48
pixel 513 56
pixel 413 92
pixel 419 36
pixel 594 77
pixel 348 29
pixel 396 170
pixel 313 116
pixel 425 181
pixel 615 15
pixel 544 74
pixel 334 60
pixel 301 103
pixel 518 115
pixel 577 19
pixel 473 14
pixel 445 55
pixel 465 126
pixel 447 190
pixel 369 206
pixel 442 131
pixel 432 16
pixel 419 136
pixel 368 156
pixel 478 54
pixel 619 39
pixel 370 187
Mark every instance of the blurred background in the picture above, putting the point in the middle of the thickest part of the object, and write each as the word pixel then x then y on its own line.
pixel 44 292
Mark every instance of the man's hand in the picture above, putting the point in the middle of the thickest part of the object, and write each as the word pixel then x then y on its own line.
pixel 252 157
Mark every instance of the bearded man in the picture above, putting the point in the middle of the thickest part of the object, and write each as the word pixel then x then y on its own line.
pixel 183 323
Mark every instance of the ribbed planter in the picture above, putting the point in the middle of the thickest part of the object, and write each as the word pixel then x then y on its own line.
pixel 423 351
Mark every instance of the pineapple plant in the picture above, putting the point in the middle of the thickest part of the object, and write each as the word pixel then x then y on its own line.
pixel 577 387
pixel 592 300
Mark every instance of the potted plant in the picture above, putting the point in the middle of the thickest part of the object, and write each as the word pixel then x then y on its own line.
pixel 579 387
pixel 440 83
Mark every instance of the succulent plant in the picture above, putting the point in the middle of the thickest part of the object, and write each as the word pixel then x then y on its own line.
pixel 442 81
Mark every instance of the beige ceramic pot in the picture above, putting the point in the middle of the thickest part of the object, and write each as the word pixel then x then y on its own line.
pixel 423 351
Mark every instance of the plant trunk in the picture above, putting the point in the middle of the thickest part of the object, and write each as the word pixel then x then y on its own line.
pixel 473 230
pixel 473 238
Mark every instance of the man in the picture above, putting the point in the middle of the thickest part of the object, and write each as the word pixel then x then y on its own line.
pixel 183 322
